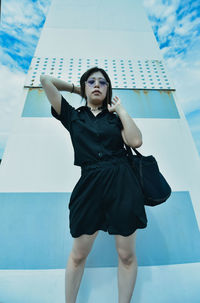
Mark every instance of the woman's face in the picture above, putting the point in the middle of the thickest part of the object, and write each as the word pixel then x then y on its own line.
pixel 96 82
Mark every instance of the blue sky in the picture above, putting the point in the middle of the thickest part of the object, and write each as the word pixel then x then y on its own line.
pixel 176 25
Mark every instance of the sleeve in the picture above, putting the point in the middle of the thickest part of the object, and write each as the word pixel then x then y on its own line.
pixel 66 114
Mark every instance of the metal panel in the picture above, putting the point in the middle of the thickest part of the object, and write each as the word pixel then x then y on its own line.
pixel 124 73
pixel 138 103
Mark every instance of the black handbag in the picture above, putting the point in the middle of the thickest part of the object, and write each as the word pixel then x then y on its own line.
pixel 154 186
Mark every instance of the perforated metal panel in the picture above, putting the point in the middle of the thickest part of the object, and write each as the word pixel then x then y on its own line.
pixel 124 73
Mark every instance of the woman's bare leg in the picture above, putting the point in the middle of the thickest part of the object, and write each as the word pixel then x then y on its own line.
pixel 127 266
pixel 76 264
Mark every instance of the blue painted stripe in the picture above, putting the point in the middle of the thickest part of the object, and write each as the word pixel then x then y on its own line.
pixel 35 233
pixel 138 103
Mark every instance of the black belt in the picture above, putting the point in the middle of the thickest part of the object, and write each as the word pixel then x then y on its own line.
pixel 105 161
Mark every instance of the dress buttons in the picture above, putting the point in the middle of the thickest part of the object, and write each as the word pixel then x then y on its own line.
pixel 100 154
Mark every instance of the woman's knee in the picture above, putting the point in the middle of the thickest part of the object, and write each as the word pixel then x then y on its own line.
pixel 78 258
pixel 126 248
pixel 126 257
pixel 82 247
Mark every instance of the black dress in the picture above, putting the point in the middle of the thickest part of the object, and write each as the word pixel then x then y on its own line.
pixel 107 196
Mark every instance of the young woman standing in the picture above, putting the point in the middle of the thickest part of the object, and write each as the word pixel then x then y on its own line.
pixel 107 196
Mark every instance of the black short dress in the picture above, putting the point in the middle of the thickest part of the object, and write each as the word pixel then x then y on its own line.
pixel 107 195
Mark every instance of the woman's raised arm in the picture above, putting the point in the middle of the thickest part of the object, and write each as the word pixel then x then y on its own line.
pixel 52 86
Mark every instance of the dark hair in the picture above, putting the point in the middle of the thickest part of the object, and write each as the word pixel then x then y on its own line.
pixel 84 78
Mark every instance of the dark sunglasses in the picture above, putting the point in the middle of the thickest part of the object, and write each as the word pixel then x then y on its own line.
pixel 91 82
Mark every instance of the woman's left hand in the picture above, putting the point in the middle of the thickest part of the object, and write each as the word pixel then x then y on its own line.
pixel 116 103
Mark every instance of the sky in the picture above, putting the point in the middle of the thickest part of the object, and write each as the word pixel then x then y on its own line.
pixel 176 26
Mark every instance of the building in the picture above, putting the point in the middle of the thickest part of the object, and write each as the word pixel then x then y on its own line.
pixel 37 173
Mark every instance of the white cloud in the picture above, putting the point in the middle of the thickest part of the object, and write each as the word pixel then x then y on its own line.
pixel 23 13
pixel 43 5
pixel 166 20
pixel 181 34
pixel 165 29
pixel 21 20
pixel 21 26
pixel 10 95
pixel 31 31
pixel 8 60
pixel 185 25
pixel 181 55
pixel 160 10
pixel 185 73
pixel 165 50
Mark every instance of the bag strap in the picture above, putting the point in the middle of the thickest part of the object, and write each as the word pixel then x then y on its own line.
pixel 129 150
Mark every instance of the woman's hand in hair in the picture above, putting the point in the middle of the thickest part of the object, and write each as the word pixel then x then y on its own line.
pixel 116 104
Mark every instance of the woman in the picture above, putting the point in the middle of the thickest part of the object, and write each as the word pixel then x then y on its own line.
pixel 107 196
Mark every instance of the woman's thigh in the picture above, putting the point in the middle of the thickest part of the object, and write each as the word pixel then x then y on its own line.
pixel 126 245
pixel 82 245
